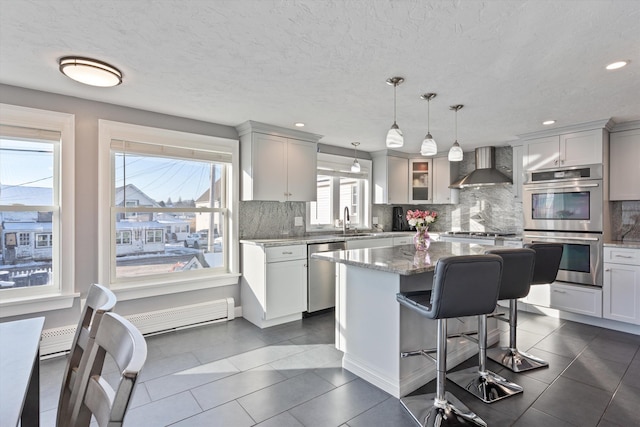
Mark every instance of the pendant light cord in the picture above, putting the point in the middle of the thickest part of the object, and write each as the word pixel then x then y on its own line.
pixel 429 116
pixel 395 85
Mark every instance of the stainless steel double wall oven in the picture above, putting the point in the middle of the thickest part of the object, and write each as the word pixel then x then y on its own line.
pixel 567 206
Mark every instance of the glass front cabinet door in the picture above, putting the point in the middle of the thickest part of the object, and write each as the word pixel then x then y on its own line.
pixel 420 180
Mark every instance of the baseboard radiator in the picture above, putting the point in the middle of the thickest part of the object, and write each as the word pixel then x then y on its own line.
pixel 58 340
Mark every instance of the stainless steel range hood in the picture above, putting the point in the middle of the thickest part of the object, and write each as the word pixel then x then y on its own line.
pixel 485 172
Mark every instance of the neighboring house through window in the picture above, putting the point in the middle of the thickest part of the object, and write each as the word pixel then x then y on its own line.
pixel 158 186
pixel 36 238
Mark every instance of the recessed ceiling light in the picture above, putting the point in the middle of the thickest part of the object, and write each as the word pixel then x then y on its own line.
pixel 616 65
pixel 299 125
pixel 90 71
pixel 548 122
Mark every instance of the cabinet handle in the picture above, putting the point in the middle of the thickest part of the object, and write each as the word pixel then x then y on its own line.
pixel 287 253
pixel 555 162
pixel 560 292
pixel 607 269
pixel 623 256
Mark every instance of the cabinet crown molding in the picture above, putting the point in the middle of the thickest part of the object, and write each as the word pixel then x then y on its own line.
pixel 597 124
pixel 253 126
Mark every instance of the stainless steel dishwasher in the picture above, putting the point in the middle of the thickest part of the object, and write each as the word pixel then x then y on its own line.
pixel 321 277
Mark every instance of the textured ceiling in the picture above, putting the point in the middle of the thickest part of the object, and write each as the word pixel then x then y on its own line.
pixel 511 63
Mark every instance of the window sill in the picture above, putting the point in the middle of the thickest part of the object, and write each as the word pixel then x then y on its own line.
pixel 36 304
pixel 145 290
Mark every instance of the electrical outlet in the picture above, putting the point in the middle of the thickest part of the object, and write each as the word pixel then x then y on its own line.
pixel 298 221
pixel 375 220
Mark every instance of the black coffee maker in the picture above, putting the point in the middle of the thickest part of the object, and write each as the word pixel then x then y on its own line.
pixel 399 222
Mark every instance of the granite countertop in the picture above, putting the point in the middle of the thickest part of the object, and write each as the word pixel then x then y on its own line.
pixel 404 260
pixel 622 244
pixel 324 238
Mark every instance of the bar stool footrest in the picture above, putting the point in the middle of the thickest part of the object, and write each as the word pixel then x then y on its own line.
pixel 487 386
pixel 424 410
pixel 515 360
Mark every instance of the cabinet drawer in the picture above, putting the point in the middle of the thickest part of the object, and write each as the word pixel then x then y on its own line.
pixel 404 240
pixel 285 253
pixel 622 256
pixel 512 243
pixel 577 299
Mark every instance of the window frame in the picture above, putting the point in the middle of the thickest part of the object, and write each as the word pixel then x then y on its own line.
pixel 335 167
pixel 36 299
pixel 159 285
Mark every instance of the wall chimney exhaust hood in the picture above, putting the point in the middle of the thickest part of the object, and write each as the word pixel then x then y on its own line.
pixel 485 173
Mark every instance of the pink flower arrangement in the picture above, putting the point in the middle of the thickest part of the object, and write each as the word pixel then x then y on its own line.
pixel 421 219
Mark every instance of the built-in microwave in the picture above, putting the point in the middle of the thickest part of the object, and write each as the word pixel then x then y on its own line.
pixel 568 199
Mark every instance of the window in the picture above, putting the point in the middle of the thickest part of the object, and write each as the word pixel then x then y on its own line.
pixel 44 240
pixel 154 236
pixel 160 185
pixel 339 188
pixel 36 239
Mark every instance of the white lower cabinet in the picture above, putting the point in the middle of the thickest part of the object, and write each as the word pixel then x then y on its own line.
pixel 621 287
pixel 577 299
pixel 585 300
pixel 274 284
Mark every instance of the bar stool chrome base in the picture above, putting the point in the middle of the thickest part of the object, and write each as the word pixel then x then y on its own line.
pixel 486 386
pixel 428 412
pixel 515 360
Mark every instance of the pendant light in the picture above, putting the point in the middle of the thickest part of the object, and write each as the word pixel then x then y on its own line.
pixel 355 167
pixel 394 136
pixel 429 146
pixel 455 152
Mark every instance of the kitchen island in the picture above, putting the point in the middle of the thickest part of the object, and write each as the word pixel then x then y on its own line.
pixel 372 328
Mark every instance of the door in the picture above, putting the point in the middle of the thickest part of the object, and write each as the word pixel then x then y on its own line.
pixel 286 291
pixel 581 148
pixel 301 171
pixel 420 180
pixel 543 153
pixel 621 293
pixel 269 168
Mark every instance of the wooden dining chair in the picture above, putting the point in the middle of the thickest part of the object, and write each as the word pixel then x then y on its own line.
pixel 124 343
pixel 100 300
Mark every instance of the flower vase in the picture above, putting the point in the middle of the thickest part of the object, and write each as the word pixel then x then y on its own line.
pixel 421 240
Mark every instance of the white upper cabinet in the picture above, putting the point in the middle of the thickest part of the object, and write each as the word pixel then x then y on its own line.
pixel 278 164
pixel 390 179
pixel 569 149
pixel 624 169
pixel 444 173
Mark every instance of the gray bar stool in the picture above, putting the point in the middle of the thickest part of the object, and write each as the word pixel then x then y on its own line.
pixel 547 262
pixel 517 271
pixel 462 286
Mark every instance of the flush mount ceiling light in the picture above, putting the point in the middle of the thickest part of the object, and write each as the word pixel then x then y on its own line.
pixel 429 146
pixel 455 152
pixel 299 124
pixel 616 65
pixel 355 167
pixel 90 71
pixel 394 136
pixel 548 122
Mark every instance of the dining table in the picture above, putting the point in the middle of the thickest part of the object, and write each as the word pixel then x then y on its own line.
pixel 20 372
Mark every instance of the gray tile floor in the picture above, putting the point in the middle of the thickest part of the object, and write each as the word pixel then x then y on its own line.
pixel 233 374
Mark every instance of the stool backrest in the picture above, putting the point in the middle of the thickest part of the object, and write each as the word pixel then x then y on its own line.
pixel 548 257
pixel 517 271
pixel 100 300
pixel 465 286
pixel 108 402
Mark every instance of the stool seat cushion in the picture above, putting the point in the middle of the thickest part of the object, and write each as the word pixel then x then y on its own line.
pixel 517 271
pixel 462 286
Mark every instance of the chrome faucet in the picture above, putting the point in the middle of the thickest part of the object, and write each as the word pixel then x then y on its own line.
pixel 345 218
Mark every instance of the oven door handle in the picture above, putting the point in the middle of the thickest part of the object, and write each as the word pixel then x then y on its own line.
pixel 585 239
pixel 559 187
